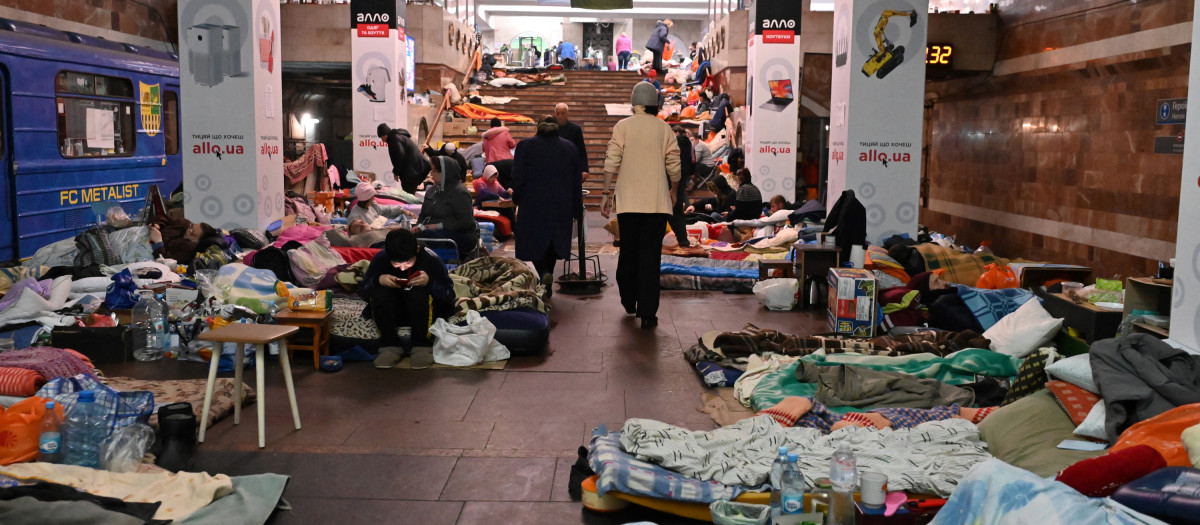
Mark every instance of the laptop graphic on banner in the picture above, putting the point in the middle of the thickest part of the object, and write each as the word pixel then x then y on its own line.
pixel 781 95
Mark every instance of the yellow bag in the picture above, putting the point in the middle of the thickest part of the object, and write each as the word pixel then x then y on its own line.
pixel 20 425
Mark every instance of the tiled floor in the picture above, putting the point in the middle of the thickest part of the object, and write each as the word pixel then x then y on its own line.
pixel 464 447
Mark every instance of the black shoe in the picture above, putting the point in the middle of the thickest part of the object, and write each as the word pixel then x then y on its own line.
pixel 580 471
pixel 548 283
pixel 178 433
pixel 182 408
pixel 649 322
pixel 630 310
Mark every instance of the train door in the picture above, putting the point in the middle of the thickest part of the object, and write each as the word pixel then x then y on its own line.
pixel 8 248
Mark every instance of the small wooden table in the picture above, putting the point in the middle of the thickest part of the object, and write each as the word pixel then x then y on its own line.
pixel 259 335
pixel 813 261
pixel 318 322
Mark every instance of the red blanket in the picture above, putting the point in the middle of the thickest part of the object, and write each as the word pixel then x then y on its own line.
pixel 353 255
pixel 503 225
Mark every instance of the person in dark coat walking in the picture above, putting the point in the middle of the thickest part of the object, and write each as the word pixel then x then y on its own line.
pixel 573 133
pixel 549 195
pixel 658 42
pixel 408 165
pixel 686 170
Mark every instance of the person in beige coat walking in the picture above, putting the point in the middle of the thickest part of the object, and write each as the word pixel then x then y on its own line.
pixel 644 154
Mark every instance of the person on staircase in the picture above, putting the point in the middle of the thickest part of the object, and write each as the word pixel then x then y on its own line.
pixel 644 153
pixel 550 197
pixel 498 142
pixel 658 43
pixel 573 133
pixel 623 48
pixel 566 55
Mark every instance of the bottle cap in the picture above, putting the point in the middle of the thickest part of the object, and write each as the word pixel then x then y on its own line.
pixel 49 405
pixel 87 396
pixel 823 483
pixel 792 457
pixel 782 451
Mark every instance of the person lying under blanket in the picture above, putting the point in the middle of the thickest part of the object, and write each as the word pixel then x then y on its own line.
pixel 406 285
pixel 358 234
pixel 798 411
pixel 370 211
pixel 180 239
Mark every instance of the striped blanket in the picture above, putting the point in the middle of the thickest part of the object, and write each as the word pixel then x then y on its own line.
pixel 962 268
pixel 495 283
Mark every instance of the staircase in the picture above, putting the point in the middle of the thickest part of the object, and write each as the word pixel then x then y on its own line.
pixel 586 92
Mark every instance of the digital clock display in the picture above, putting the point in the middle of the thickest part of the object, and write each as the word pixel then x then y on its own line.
pixel 938 55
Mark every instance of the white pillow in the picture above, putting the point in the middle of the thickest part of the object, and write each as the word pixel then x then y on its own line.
pixel 1024 330
pixel 1076 370
pixel 1093 424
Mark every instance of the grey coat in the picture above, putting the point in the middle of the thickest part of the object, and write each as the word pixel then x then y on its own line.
pixel 1140 377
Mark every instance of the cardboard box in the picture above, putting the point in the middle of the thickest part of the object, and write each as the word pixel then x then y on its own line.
pixel 852 306
pixel 455 126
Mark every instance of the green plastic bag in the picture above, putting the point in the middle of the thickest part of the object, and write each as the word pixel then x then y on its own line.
pixel 734 513
pixel 1107 291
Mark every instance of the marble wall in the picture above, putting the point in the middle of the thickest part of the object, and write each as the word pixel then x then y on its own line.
pixel 124 16
pixel 1057 163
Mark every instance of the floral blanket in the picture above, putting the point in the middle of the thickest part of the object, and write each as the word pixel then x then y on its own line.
pixel 495 283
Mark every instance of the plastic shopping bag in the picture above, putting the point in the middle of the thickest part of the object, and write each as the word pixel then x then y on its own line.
pixel 734 513
pixel 996 277
pixel 777 294
pixel 1162 433
pixel 20 425
pixel 466 345
pixel 122 293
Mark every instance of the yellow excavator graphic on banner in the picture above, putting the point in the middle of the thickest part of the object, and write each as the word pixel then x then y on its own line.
pixel 886 55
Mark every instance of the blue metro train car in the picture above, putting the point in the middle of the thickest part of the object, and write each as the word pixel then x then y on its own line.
pixel 83 121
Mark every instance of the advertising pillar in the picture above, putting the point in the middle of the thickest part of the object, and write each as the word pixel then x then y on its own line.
pixel 876 110
pixel 1185 287
pixel 379 75
pixel 773 87
pixel 231 112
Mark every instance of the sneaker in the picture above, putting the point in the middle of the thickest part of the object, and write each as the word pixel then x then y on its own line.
pixel 389 357
pixel 422 357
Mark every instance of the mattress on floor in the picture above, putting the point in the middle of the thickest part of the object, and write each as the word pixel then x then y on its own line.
pixel 524 331
pixel 686 273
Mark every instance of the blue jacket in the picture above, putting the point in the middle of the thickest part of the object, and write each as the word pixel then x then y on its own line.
pixel 658 38
pixel 566 50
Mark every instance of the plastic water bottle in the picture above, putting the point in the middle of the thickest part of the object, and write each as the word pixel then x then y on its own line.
pixel 777 469
pixel 985 248
pixel 162 329
pixel 86 429
pixel 843 476
pixel 147 319
pixel 793 487
pixel 50 436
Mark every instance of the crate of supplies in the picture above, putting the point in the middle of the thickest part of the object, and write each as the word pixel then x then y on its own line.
pixel 852 306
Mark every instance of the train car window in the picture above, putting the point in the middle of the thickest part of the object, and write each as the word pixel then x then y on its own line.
pixel 92 126
pixel 171 121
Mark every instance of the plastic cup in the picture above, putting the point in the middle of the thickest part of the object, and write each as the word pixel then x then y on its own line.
pixel 873 488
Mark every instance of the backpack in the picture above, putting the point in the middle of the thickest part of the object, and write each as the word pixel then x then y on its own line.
pixel 274 259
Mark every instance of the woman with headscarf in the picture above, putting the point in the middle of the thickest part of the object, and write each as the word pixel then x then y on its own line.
pixel 487 188
pixel 549 192
pixel 644 153
pixel 447 212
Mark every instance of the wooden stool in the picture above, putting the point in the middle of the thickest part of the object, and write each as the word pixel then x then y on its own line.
pixel 318 322
pixel 252 334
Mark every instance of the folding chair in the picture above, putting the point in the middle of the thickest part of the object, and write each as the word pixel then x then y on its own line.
pixel 446 250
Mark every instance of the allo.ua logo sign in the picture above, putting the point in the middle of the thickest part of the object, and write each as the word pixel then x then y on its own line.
pixel 778 31
pixel 372 25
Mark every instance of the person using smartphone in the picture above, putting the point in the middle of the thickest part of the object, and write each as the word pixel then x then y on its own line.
pixel 406 285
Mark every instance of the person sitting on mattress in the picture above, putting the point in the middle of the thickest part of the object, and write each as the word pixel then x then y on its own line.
pixel 713 208
pixel 803 411
pixel 488 188
pixel 406 285
pixel 447 212
pixel 358 234
pixel 747 204
pixel 370 211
